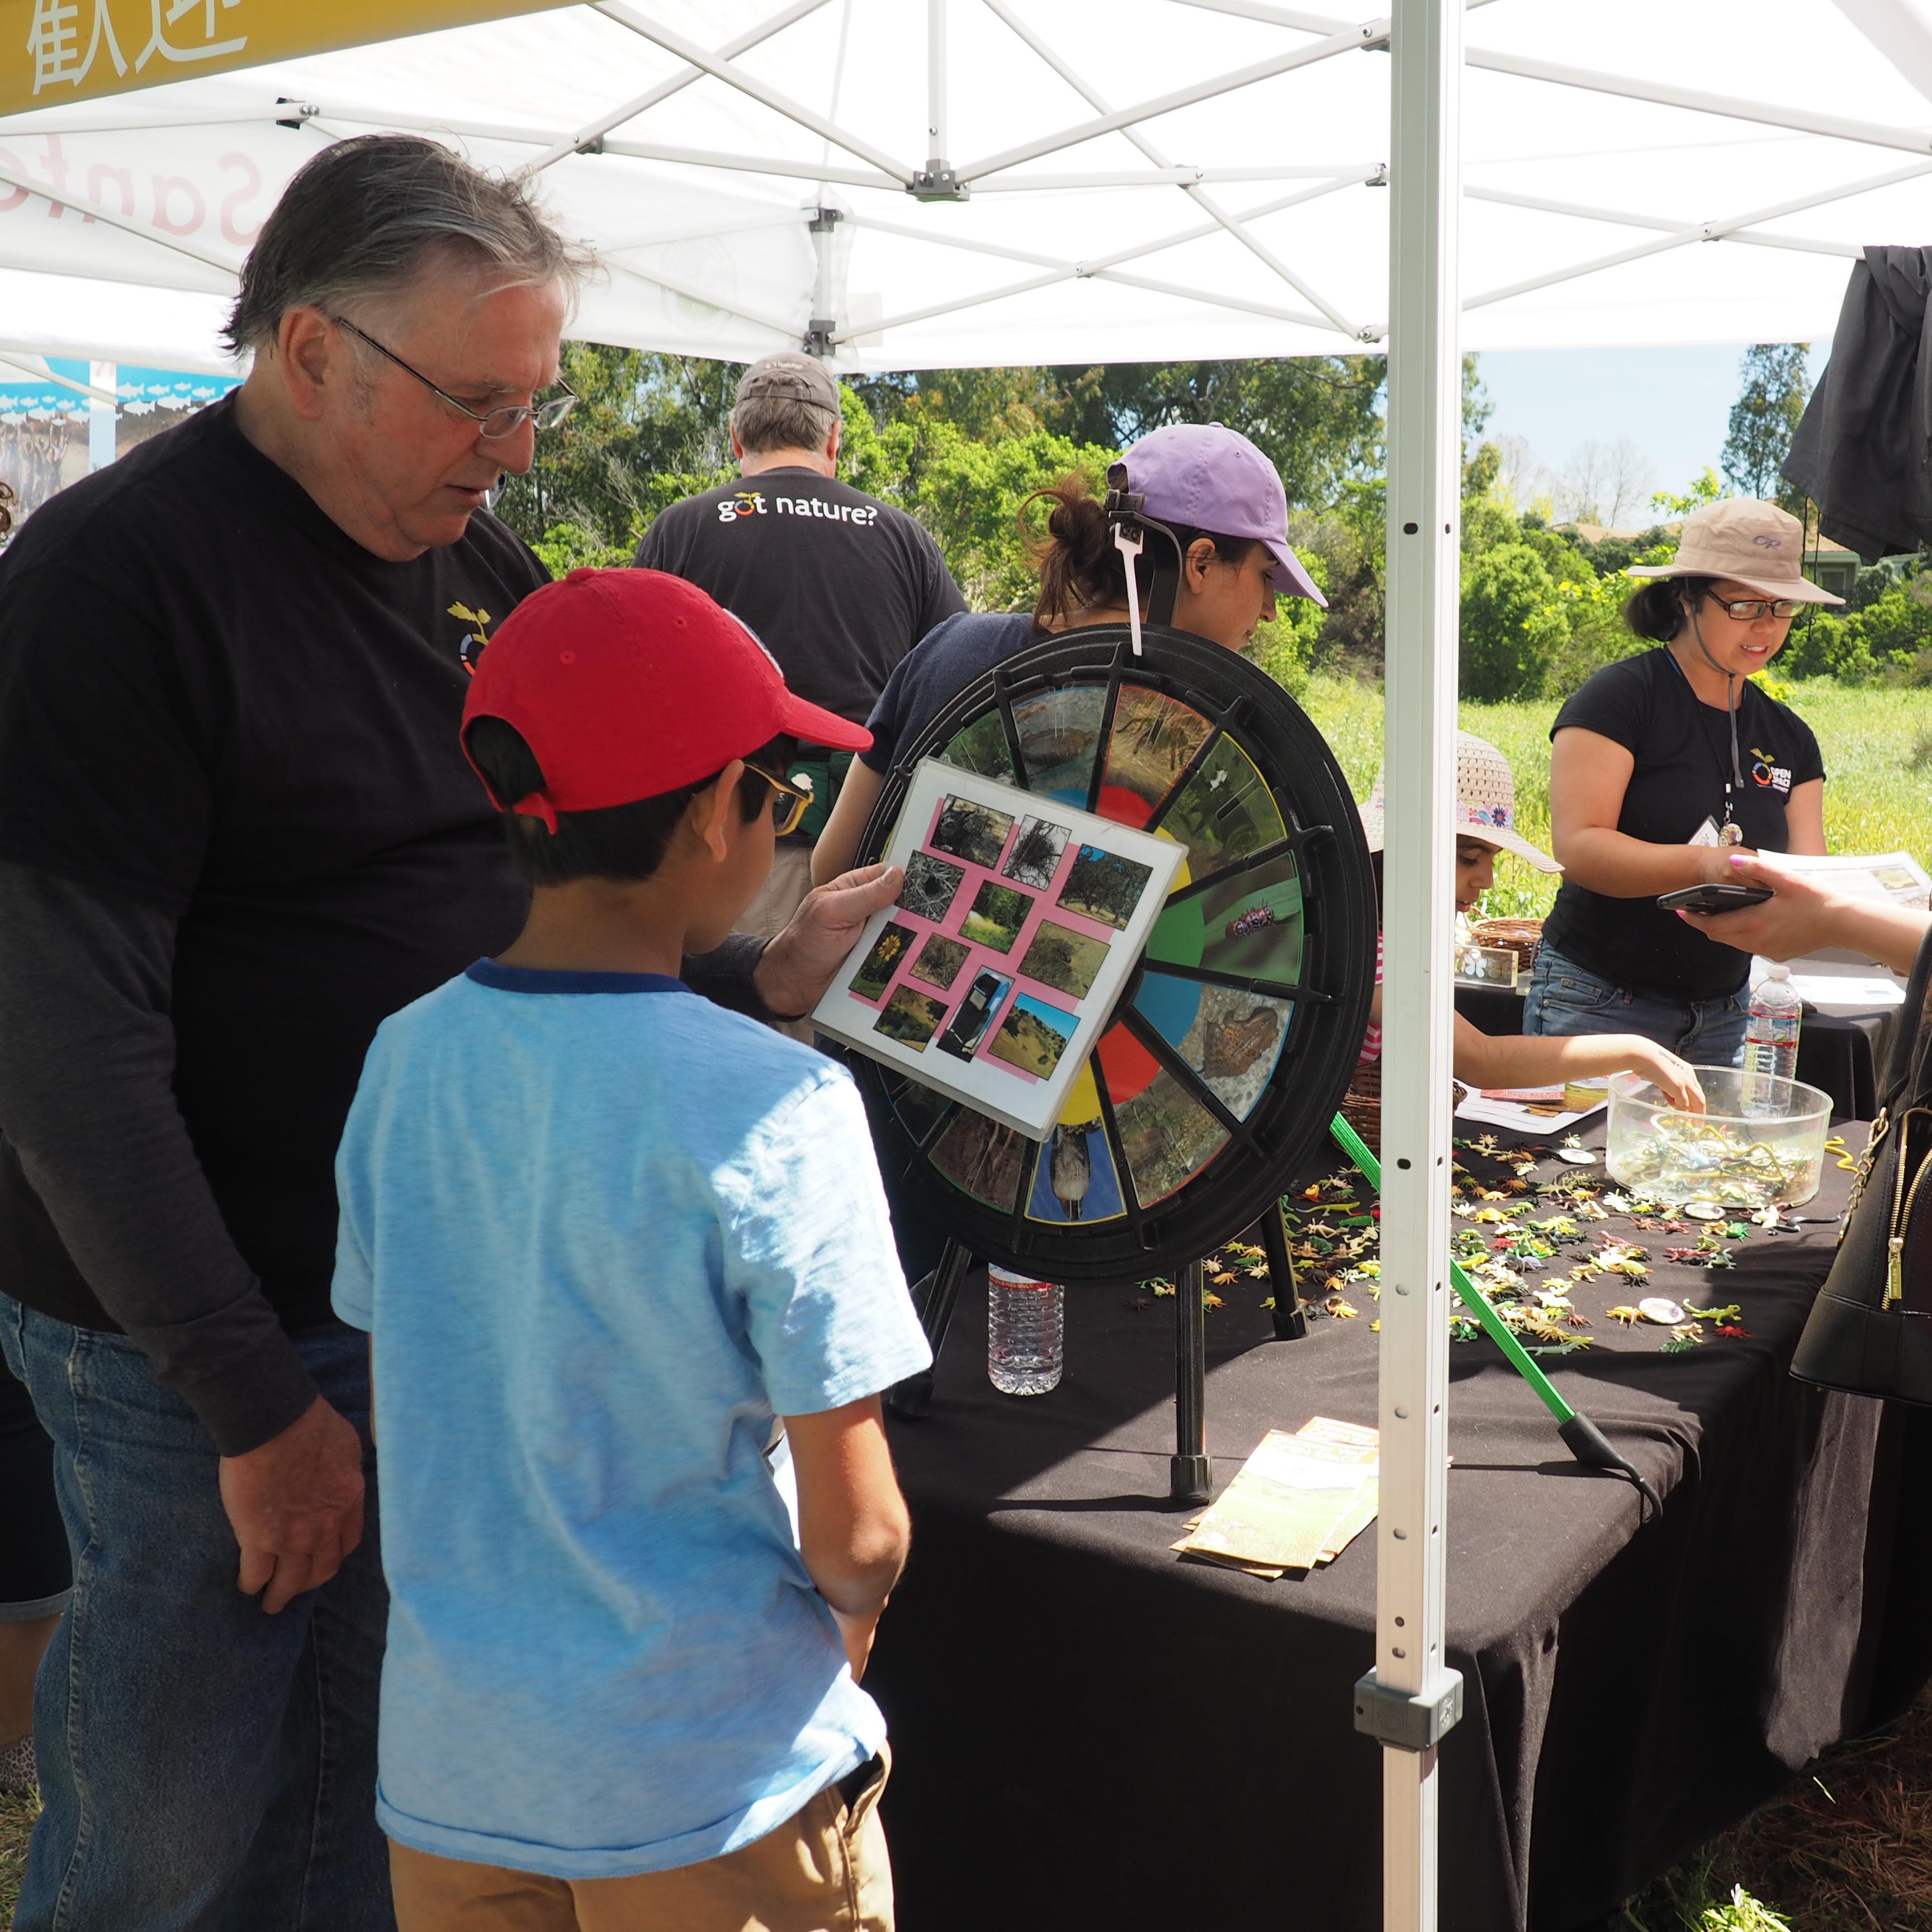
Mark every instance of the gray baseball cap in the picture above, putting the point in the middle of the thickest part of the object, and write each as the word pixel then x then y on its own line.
pixel 797 377
pixel 1212 477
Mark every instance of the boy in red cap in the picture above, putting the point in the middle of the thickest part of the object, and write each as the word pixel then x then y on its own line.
pixel 600 1232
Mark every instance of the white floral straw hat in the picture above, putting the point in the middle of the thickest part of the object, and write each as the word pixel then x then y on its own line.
pixel 1485 803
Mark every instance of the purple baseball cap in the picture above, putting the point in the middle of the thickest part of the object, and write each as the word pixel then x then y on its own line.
pixel 1212 477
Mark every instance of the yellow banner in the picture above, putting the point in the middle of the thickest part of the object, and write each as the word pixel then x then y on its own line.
pixel 55 51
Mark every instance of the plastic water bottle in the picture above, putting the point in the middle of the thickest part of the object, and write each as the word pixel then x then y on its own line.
pixel 1770 1038
pixel 1025 1330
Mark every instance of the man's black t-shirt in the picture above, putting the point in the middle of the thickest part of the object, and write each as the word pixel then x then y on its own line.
pixel 837 586
pixel 1682 749
pixel 214 703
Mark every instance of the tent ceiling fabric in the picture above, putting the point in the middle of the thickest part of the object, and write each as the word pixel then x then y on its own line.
pixel 1159 179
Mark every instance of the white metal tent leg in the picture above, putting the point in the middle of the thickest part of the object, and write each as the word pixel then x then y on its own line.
pixel 1410 1698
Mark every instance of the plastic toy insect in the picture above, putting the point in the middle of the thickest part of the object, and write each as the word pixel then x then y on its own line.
pixel 1256 919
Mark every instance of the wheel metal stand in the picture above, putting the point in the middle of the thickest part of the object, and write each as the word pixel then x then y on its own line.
pixel 935 1297
pixel 1291 1319
pixel 1190 1475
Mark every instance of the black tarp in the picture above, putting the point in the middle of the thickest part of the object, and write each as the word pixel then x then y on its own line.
pixel 1863 450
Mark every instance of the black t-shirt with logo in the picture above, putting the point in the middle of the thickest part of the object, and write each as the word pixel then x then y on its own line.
pixel 1682 749
pixel 837 586
pixel 215 703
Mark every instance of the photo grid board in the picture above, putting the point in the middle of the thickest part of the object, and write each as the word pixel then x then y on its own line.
pixel 1019 923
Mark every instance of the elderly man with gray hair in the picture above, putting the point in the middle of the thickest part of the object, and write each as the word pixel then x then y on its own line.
pixel 236 832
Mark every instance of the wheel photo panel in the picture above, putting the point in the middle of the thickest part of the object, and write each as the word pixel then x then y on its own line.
pixel 1015 931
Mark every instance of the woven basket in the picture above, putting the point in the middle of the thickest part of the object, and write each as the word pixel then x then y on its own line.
pixel 1522 936
pixel 1362 1105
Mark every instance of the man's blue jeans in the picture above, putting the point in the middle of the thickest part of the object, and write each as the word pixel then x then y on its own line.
pixel 205 1767
pixel 1568 999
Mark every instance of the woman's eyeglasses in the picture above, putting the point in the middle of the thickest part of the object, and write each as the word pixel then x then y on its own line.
pixel 792 799
pixel 1748 610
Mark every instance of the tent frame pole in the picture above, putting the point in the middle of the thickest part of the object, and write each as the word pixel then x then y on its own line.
pixel 1411 1697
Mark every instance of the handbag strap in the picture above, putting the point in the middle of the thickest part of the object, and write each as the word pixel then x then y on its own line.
pixel 1912 1049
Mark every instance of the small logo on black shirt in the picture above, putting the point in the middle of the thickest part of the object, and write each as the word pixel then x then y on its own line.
pixel 1772 776
pixel 470 653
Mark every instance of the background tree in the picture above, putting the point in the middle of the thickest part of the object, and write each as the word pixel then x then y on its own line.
pixel 1763 420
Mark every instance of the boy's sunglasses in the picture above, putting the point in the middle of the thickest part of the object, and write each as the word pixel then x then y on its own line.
pixel 793 801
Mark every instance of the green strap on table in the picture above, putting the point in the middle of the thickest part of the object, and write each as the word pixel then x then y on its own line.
pixel 1474 1299
pixel 1585 1440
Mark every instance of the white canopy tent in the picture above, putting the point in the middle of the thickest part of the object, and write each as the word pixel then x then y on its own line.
pixel 1007 182
pixel 1163 179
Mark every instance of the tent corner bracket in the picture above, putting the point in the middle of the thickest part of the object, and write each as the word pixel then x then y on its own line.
pixel 1410 1720
pixel 937 181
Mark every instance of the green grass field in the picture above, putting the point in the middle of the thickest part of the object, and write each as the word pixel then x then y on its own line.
pixel 1876 800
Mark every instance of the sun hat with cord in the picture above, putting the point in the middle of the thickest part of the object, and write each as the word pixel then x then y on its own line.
pixel 1743 541
pixel 1485 803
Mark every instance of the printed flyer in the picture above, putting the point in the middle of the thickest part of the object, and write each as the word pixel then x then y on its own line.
pixel 1019 923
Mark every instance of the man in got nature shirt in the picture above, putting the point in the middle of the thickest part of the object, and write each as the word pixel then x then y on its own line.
pixel 837 586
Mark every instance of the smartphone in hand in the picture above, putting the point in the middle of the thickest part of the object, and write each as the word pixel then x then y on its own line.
pixel 1720 895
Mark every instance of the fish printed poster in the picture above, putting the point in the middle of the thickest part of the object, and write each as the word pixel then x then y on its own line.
pixel 1020 922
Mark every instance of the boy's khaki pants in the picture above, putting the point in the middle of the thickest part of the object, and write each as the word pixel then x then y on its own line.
pixel 824 1871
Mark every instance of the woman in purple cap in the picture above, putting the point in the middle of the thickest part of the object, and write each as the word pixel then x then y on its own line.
pixel 1209 485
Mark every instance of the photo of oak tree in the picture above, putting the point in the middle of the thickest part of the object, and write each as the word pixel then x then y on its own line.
pixel 1104 886
pixel 1063 959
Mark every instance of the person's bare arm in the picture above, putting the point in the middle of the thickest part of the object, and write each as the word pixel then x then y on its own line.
pixel 1525 1059
pixel 1806 917
pixel 852 1529
pixel 839 843
pixel 1805 819
pixel 1589 776
pixel 797 966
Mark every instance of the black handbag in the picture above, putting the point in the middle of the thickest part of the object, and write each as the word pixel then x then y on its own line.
pixel 1870 1329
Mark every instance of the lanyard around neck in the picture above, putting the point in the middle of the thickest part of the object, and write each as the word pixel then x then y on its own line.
pixel 1734 777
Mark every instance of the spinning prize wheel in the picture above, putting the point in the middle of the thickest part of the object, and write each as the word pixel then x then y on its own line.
pixel 1230 1048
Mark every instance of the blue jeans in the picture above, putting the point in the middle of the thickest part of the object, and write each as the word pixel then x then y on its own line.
pixel 204 1767
pixel 1567 999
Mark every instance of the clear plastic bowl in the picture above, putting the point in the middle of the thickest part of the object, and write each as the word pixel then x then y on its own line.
pixel 1761 1141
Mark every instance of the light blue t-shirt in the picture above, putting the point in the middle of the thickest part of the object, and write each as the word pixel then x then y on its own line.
pixel 600 1230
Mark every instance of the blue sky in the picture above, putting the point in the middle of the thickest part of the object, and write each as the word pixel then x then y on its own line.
pixel 1671 405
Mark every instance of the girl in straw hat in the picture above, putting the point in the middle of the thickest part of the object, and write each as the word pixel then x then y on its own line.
pixel 1485 825
pixel 1662 766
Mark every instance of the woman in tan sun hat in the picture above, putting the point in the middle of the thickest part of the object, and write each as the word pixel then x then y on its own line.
pixel 1661 766
pixel 1485 824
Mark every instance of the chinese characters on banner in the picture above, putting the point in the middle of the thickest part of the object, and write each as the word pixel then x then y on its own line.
pixel 54 42
pixel 60 50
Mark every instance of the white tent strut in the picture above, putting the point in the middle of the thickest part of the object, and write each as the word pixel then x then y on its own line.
pixel 594 131
pixel 1410 1698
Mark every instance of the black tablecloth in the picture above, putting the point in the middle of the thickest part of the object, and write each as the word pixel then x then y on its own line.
pixel 1840 1054
pixel 1092 1732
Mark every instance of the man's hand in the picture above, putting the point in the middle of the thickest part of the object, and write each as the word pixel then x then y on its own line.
pixel 295 1505
pixel 798 965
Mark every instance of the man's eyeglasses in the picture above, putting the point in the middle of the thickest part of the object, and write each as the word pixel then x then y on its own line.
pixel 493 424
pixel 1748 610
pixel 793 801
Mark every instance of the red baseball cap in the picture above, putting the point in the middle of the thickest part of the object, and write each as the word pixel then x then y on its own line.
pixel 626 684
